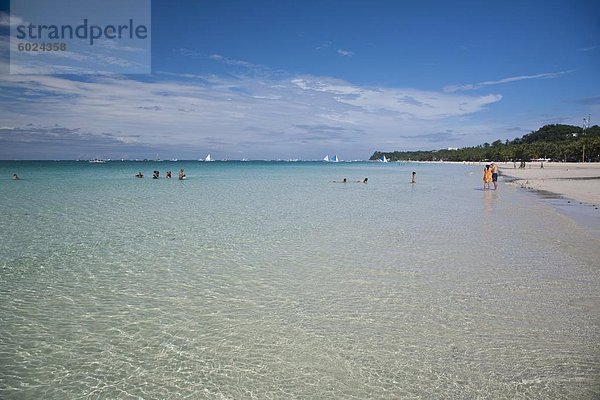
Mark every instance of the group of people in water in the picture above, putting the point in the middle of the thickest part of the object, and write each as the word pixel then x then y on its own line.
pixel 414 179
pixel 168 174
pixel 345 180
pixel 490 175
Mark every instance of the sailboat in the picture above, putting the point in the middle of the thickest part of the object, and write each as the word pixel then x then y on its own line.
pixel 334 159
pixel 383 159
pixel 208 158
pixel 326 159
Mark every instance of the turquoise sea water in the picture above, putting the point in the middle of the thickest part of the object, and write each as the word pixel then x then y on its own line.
pixel 267 280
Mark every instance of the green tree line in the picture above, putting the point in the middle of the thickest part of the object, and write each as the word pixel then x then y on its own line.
pixel 556 142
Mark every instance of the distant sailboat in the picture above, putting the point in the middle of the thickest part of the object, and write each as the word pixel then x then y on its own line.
pixel 97 161
pixel 209 158
pixel 383 159
pixel 326 158
pixel 334 159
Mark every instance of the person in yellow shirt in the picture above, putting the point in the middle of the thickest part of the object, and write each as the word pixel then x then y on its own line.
pixel 487 177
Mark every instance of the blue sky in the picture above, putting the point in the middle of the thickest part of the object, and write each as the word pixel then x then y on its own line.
pixel 302 79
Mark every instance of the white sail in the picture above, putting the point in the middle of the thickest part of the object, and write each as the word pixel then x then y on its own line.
pixel 208 158
pixel 334 159
pixel 383 159
pixel 326 158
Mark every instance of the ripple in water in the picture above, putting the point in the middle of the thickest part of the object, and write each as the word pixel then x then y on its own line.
pixel 268 281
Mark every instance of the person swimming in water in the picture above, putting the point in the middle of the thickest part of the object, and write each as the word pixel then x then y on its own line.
pixel 156 175
pixel 181 174
pixel 139 175
pixel 15 177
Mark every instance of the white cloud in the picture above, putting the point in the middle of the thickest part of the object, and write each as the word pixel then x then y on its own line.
pixel 345 53
pixel 403 103
pixel 589 48
pixel 294 117
pixel 324 45
pixel 6 20
pixel 229 61
pixel 103 60
pixel 220 58
pixel 548 75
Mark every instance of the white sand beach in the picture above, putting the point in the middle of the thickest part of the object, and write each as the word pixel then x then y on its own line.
pixel 578 181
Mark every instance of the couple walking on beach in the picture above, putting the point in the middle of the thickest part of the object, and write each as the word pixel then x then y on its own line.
pixel 490 174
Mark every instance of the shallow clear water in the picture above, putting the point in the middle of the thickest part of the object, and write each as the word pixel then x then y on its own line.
pixel 267 280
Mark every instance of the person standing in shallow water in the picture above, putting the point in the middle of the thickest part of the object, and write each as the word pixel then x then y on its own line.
pixel 414 177
pixel 487 177
pixel 494 169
